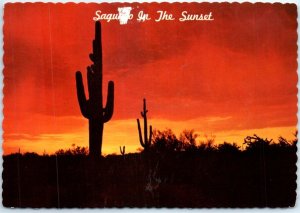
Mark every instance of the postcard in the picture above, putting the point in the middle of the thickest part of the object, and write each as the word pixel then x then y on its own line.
pixel 176 105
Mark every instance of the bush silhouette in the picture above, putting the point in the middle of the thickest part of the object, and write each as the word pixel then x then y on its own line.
pixel 229 148
pixel 75 150
pixel 30 154
pixel 256 144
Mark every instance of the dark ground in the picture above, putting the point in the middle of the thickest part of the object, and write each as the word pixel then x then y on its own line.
pixel 212 178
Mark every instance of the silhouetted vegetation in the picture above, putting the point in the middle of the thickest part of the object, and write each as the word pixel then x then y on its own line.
pixel 228 148
pixel 93 109
pixel 175 172
pixel 146 143
pixel 75 150
pixel 122 150
pixel 170 171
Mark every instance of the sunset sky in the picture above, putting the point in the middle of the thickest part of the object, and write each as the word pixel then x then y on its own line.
pixel 230 77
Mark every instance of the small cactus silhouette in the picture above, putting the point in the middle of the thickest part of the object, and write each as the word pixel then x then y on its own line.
pixel 146 142
pixel 122 150
pixel 93 109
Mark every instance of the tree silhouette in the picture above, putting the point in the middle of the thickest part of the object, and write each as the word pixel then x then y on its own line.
pixel 188 138
pixel 166 141
pixel 295 141
pixel 208 144
pixel 255 143
pixel 93 109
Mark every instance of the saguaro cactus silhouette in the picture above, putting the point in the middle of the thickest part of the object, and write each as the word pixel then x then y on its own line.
pixel 146 142
pixel 122 150
pixel 93 109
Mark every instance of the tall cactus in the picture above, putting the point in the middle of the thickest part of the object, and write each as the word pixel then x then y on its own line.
pixel 146 142
pixel 93 109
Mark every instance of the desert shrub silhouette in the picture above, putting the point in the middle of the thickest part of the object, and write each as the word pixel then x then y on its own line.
pixel 75 150
pixel 228 148
pixel 30 154
pixel 171 176
pixel 166 141
pixel 256 144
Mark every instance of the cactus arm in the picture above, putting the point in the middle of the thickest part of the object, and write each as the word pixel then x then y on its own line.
pixel 150 135
pixel 83 103
pixel 109 108
pixel 140 133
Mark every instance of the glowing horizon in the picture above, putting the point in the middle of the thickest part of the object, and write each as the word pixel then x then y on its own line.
pixel 128 137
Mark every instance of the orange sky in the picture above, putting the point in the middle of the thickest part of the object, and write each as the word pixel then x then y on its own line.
pixel 231 77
